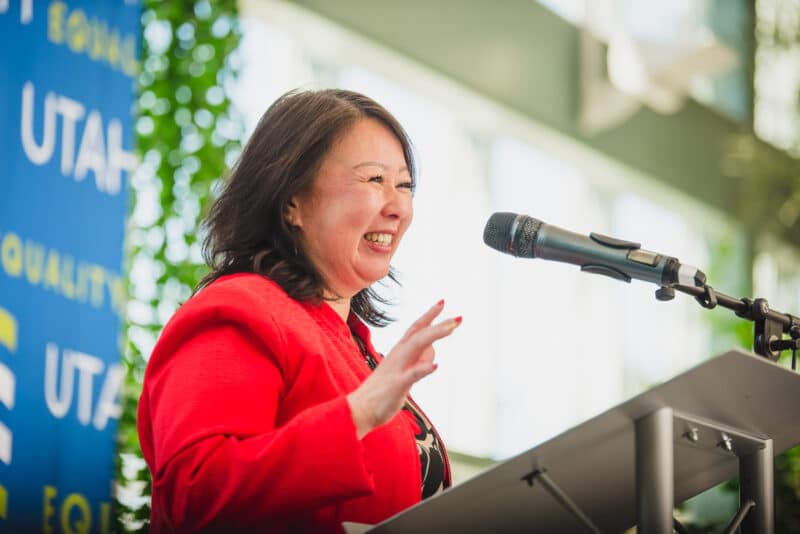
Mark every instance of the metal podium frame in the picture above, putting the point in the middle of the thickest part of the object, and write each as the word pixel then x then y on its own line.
pixel 629 465
pixel 655 473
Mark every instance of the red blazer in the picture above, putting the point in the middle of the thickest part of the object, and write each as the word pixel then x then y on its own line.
pixel 244 423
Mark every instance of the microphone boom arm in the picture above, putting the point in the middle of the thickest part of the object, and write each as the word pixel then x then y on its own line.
pixel 769 325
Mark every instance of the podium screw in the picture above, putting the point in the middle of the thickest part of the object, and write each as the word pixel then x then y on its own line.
pixel 726 443
pixel 692 435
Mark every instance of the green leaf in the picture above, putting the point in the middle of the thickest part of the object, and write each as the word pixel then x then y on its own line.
pixel 160 78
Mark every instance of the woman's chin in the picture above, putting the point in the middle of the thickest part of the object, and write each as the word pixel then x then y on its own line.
pixel 375 274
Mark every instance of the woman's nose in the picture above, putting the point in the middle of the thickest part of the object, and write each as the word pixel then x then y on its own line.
pixel 397 204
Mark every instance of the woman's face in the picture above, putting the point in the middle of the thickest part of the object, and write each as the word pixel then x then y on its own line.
pixel 358 208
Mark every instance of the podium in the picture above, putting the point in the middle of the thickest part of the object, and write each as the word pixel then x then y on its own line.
pixel 629 465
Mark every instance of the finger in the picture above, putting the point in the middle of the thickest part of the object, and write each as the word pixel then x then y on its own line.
pixel 425 319
pixel 428 354
pixel 422 339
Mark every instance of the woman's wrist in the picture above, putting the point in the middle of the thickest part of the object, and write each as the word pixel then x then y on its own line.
pixel 361 417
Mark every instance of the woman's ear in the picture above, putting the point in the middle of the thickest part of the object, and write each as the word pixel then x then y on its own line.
pixel 291 213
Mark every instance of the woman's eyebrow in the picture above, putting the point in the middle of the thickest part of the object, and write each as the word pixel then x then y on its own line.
pixel 404 168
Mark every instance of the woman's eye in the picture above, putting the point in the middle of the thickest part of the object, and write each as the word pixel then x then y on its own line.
pixel 377 179
pixel 407 185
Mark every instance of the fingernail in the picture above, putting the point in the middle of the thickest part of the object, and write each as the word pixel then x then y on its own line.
pixel 455 322
pixel 440 303
pixel 435 366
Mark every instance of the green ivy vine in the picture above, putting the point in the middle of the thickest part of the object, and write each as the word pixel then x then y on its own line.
pixel 187 136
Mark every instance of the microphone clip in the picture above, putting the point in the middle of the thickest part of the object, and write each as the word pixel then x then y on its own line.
pixel 708 299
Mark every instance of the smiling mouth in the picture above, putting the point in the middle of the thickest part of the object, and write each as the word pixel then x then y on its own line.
pixel 378 238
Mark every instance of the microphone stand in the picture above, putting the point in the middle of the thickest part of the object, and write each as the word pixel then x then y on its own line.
pixel 770 325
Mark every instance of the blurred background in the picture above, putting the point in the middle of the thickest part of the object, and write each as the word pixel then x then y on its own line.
pixel 673 123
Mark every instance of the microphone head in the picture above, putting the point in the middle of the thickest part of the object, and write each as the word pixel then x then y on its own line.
pixel 497 233
pixel 512 234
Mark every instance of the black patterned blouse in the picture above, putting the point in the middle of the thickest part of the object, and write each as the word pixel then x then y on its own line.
pixel 431 452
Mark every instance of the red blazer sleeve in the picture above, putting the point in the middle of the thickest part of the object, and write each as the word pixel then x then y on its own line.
pixel 208 414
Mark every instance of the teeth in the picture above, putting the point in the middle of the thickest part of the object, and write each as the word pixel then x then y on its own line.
pixel 381 239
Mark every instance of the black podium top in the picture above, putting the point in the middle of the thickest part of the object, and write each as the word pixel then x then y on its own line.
pixel 594 462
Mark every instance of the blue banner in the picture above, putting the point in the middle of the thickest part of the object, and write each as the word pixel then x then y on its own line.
pixel 66 94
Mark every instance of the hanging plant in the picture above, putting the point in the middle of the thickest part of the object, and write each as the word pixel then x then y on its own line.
pixel 187 136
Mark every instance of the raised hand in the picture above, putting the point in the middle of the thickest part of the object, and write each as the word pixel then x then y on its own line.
pixel 382 395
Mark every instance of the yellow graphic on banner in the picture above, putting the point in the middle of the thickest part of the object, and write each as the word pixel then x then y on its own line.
pixel 91 36
pixel 6 435
pixel 52 270
pixel 8 330
pixel 47 508
pixel 75 513
pixel 8 390
pixel 3 502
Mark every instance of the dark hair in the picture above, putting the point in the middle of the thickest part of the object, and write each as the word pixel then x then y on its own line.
pixel 247 229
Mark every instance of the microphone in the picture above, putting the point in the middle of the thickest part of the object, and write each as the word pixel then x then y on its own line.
pixel 526 237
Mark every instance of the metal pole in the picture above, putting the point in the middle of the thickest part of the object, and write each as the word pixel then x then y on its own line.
pixel 564 500
pixel 655 473
pixel 736 522
pixel 756 483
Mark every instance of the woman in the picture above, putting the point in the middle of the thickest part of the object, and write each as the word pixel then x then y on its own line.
pixel 265 406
